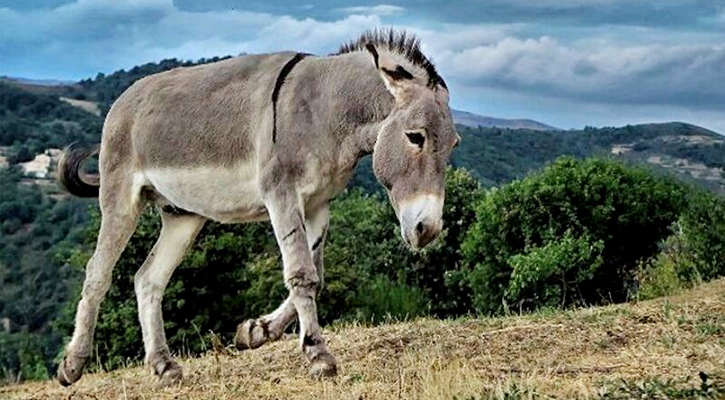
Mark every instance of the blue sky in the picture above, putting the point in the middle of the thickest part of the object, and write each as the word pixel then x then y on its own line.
pixel 568 63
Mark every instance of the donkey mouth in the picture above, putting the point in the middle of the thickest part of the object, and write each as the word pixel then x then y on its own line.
pixel 422 234
pixel 421 220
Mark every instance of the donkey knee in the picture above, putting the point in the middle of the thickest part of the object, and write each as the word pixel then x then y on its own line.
pixel 144 286
pixel 303 282
pixel 95 288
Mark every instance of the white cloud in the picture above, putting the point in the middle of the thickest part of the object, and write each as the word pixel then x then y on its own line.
pixel 88 36
pixel 381 9
pixel 649 68
pixel 572 4
pixel 458 37
pixel 610 72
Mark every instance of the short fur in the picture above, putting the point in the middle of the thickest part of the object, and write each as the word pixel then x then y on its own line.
pixel 198 142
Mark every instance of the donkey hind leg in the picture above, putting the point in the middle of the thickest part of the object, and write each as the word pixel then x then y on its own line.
pixel 253 333
pixel 301 278
pixel 119 215
pixel 177 234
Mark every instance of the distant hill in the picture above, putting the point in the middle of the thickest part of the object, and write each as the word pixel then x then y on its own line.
pixel 32 121
pixel 472 120
pixel 497 156
pixel 45 86
pixel 37 82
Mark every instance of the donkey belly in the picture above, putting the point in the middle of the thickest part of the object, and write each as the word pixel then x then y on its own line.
pixel 221 194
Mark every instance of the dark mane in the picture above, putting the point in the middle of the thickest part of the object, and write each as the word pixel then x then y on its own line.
pixel 399 42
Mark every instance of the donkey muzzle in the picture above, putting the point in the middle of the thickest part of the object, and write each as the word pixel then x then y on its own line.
pixel 421 219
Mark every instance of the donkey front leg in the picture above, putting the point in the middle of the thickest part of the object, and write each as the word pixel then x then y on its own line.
pixel 301 278
pixel 253 333
pixel 177 234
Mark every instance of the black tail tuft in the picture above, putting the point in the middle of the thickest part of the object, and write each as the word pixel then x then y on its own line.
pixel 70 175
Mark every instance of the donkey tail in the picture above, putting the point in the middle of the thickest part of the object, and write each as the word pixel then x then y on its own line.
pixel 70 174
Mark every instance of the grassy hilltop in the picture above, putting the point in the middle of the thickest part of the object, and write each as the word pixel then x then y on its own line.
pixel 656 349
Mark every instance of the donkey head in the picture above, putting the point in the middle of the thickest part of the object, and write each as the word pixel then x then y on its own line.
pixel 413 145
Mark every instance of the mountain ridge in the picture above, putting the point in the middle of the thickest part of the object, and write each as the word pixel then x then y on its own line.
pixel 474 120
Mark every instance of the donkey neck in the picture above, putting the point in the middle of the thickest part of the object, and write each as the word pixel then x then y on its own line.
pixel 364 101
pixel 334 108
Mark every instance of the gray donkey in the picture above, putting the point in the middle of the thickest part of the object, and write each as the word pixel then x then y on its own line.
pixel 272 136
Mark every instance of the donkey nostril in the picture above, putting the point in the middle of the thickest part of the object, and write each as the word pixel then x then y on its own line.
pixel 419 228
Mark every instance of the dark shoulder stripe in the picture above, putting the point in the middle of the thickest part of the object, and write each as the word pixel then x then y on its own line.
pixel 278 85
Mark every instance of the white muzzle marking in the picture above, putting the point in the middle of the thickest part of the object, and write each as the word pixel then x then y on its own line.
pixel 421 219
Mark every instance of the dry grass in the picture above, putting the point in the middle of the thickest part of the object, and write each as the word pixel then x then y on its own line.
pixel 573 354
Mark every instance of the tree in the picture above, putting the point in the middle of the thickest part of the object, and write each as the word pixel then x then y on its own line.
pixel 582 226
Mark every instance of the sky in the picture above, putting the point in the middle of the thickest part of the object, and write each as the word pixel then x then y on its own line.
pixel 568 63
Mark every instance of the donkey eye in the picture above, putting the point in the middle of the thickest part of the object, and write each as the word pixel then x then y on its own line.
pixel 416 138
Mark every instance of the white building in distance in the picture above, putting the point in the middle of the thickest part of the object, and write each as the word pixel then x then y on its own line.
pixel 40 166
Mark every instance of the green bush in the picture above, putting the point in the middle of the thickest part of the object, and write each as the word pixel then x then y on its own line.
pixel 590 223
pixel 25 356
pixel 694 253
pixel 703 235
pixel 549 275
pixel 364 243
pixel 436 268
pixel 381 299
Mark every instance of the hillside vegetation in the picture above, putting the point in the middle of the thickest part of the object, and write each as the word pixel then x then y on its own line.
pixel 497 156
pixel 580 232
pixel 658 349
pixel 31 123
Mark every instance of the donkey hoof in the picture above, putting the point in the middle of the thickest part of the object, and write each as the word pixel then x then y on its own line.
pixel 323 366
pixel 70 370
pixel 250 335
pixel 172 376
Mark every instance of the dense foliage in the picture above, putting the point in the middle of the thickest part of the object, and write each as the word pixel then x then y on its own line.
pixel 574 233
pixel 36 234
pixel 497 156
pixel 702 237
pixel 31 123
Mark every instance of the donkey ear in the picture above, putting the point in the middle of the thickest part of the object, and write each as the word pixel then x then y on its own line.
pixel 397 79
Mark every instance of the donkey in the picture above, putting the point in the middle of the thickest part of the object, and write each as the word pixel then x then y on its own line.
pixel 260 137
